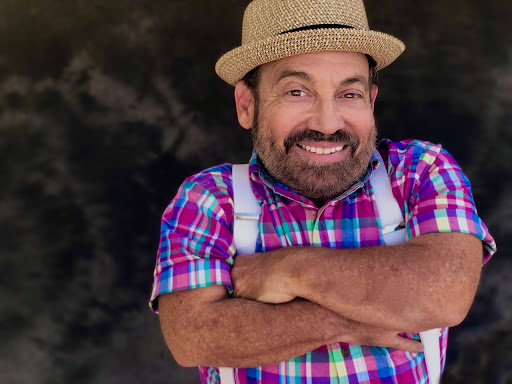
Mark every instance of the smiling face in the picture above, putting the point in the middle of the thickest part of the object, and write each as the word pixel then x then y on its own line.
pixel 313 124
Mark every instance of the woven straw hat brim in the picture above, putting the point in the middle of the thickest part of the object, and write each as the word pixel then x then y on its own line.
pixel 235 64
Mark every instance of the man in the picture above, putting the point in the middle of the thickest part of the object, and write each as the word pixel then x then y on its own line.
pixel 322 300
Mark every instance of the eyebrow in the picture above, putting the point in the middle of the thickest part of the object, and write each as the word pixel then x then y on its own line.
pixel 305 76
pixel 290 73
pixel 355 79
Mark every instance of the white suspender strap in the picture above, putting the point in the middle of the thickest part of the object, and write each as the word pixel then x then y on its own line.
pixel 245 229
pixel 430 341
pixel 227 375
pixel 247 211
pixel 245 233
pixel 393 232
pixel 390 215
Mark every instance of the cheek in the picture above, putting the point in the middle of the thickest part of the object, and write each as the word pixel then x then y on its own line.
pixel 279 125
pixel 363 124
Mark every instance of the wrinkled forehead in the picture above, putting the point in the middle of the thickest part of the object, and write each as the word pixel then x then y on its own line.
pixel 315 65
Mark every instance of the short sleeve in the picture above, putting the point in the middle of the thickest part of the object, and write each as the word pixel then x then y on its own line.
pixel 438 194
pixel 196 245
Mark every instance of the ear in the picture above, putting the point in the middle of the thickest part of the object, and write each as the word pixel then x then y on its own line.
pixel 373 95
pixel 244 104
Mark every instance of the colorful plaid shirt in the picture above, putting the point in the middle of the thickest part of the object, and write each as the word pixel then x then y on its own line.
pixel 197 250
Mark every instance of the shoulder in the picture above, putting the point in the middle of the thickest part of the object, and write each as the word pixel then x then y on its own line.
pixel 415 156
pixel 410 150
pixel 421 171
pixel 207 192
pixel 216 180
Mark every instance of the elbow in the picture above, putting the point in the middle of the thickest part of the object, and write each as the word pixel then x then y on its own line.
pixel 450 308
pixel 180 346
pixel 449 319
pixel 183 360
pixel 455 314
pixel 434 315
pixel 183 350
pixel 447 314
pixel 456 306
pixel 185 357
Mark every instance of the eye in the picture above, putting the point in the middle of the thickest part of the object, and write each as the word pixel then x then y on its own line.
pixel 296 93
pixel 352 95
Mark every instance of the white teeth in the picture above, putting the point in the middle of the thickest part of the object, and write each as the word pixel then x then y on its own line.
pixel 322 151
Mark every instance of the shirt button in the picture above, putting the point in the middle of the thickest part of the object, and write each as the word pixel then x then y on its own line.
pixel 345 351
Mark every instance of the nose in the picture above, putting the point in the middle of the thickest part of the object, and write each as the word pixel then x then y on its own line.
pixel 326 116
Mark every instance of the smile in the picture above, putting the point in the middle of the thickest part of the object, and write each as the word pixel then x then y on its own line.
pixel 322 151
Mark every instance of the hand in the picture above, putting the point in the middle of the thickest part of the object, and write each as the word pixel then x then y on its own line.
pixel 380 337
pixel 257 277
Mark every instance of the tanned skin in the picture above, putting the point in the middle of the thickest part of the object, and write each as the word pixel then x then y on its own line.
pixel 363 296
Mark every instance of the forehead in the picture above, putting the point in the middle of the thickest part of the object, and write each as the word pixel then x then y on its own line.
pixel 318 65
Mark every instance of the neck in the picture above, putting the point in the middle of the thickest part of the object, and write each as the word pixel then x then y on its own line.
pixel 319 202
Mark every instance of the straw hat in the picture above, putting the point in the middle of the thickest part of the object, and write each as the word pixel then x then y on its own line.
pixel 275 29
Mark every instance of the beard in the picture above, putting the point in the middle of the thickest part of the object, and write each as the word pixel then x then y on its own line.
pixel 316 181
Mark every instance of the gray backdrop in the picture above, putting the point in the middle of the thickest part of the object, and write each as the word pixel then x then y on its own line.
pixel 105 106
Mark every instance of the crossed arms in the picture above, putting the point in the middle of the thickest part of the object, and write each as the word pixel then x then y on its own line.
pixel 292 300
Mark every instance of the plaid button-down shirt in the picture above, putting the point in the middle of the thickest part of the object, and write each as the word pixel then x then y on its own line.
pixel 197 250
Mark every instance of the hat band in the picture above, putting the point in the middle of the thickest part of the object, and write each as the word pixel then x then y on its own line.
pixel 317 26
pixel 371 61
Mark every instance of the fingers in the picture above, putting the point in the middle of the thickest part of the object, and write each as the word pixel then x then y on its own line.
pixel 380 337
pixel 405 344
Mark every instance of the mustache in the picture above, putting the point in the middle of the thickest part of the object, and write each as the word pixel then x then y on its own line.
pixel 310 135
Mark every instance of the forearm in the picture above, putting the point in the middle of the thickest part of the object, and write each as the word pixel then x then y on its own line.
pixel 410 287
pixel 244 333
pixel 407 287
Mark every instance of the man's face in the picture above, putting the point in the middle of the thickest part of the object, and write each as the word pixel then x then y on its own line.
pixel 313 124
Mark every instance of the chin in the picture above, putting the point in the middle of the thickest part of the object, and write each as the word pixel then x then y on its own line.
pixel 320 182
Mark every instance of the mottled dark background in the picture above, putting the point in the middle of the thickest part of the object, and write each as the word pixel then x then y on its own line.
pixel 105 106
